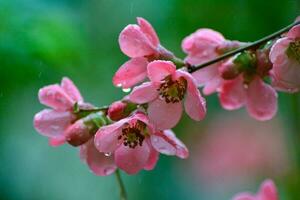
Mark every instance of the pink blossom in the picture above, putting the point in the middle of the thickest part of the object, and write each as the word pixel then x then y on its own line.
pixel 61 99
pixel 139 42
pixel 267 191
pixel 202 46
pixel 99 163
pixel 135 145
pixel 116 110
pixel 259 98
pixel 285 56
pixel 165 92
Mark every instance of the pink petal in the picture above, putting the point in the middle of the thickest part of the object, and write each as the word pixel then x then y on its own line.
pixel 213 85
pixel 164 115
pixel 100 164
pixel 152 160
pixel 232 94
pixel 195 105
pixel 294 33
pixel 143 93
pixel 283 86
pixel 268 191
pixel 106 138
pixel 132 160
pixel 78 133
pixel 244 196
pixel 134 43
pixel 261 100
pixel 159 69
pixel 55 97
pixel 69 87
pixel 277 53
pixel 167 143
pixel 55 142
pixel 148 31
pixel 131 73
pixel 206 74
pixel 52 123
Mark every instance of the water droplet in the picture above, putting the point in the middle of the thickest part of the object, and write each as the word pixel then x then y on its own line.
pixel 109 170
pixel 126 90
pixel 119 85
pixel 107 154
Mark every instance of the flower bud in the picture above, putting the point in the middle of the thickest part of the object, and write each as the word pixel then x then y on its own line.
pixel 120 109
pixel 78 133
pixel 229 70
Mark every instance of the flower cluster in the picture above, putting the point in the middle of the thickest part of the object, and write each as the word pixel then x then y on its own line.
pixel 131 132
pixel 242 80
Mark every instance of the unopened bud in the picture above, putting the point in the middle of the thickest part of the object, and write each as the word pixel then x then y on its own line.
pixel 229 70
pixel 83 129
pixel 78 133
pixel 120 109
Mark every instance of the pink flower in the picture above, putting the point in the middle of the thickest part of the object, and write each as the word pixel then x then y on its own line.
pixel 285 56
pixel 165 92
pixel 267 191
pixel 259 98
pixel 99 163
pixel 139 42
pixel 61 99
pixel 135 145
pixel 202 46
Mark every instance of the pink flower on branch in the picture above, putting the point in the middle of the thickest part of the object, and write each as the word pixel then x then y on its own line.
pixel 135 144
pixel 140 43
pixel 259 98
pixel 202 46
pixel 165 93
pixel 267 191
pixel 61 99
pixel 285 56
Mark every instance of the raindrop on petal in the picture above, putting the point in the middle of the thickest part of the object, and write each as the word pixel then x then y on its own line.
pixel 126 90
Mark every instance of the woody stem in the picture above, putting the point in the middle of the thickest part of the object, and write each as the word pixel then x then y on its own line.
pixel 252 45
pixel 123 194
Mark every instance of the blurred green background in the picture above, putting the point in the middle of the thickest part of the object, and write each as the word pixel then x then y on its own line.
pixel 43 40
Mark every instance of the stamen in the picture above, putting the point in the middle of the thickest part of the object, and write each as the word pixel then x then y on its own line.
pixel 133 134
pixel 173 91
pixel 294 50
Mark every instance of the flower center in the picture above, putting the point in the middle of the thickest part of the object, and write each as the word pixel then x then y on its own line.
pixel 172 91
pixel 132 134
pixel 294 50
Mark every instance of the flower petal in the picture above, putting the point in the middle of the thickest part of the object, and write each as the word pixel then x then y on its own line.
pixel 204 75
pixel 159 69
pixel 52 123
pixel 294 33
pixel 268 190
pixel 167 143
pixel 148 30
pixel 106 138
pixel 134 43
pixel 195 105
pixel 69 87
pixel 55 97
pixel 131 73
pixel 278 50
pixel 100 164
pixel 132 160
pixel 152 160
pixel 261 100
pixel 232 94
pixel 164 115
pixel 143 93
pixel 213 85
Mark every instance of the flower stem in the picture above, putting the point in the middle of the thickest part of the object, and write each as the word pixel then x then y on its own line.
pixel 123 194
pixel 252 45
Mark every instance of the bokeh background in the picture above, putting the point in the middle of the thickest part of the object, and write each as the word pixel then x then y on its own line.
pixel 43 40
